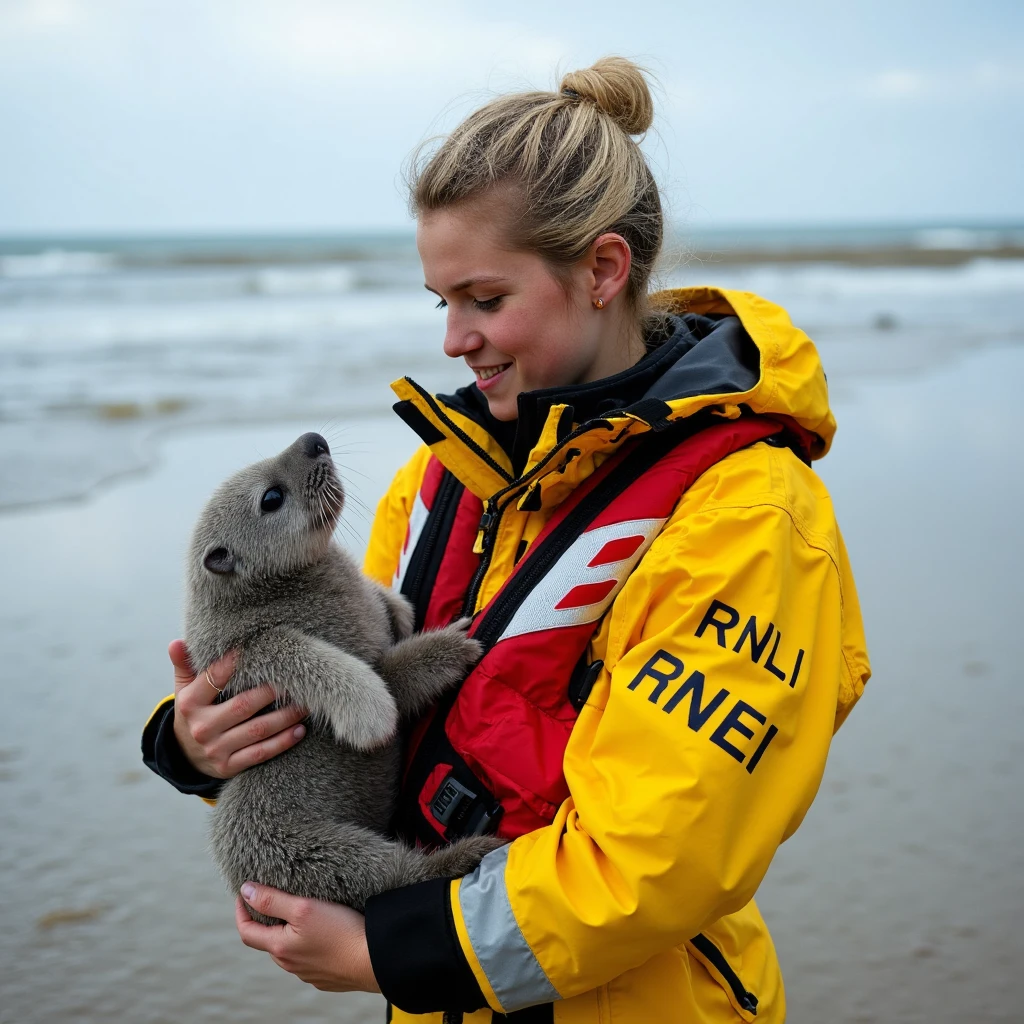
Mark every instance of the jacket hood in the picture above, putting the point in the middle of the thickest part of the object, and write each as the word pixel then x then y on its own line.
pixel 723 352
pixel 758 360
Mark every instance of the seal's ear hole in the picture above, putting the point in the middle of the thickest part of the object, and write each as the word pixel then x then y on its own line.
pixel 220 561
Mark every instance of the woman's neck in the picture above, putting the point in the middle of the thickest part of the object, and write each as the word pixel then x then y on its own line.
pixel 622 346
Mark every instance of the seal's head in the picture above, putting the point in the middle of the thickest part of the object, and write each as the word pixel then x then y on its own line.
pixel 268 520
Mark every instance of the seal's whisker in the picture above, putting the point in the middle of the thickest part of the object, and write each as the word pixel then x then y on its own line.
pixel 348 469
pixel 358 506
pixel 358 500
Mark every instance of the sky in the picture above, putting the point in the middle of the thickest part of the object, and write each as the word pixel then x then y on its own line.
pixel 214 116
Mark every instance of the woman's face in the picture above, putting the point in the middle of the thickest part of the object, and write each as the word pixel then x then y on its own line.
pixel 517 327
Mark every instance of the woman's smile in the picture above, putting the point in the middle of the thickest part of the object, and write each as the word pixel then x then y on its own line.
pixel 487 376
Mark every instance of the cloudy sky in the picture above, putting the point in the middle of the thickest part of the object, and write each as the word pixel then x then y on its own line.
pixel 250 115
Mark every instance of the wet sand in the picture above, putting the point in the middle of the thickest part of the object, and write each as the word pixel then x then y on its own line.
pixel 900 898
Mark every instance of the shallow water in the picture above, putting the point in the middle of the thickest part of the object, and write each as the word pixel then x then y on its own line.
pixel 898 900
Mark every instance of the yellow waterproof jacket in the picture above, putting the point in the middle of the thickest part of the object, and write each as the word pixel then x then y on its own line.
pixel 636 904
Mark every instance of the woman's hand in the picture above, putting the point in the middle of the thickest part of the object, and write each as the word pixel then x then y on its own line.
pixel 221 740
pixel 322 944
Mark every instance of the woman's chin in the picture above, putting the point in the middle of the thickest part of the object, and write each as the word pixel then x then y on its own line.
pixel 503 409
pixel 504 405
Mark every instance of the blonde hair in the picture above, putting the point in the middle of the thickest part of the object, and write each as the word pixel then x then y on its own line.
pixel 567 164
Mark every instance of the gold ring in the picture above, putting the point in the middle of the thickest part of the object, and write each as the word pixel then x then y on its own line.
pixel 209 679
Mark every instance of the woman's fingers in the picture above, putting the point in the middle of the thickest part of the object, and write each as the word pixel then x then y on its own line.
pixel 256 753
pixel 270 903
pixel 206 687
pixel 243 705
pixel 262 727
pixel 229 738
pixel 254 934
pixel 324 944
pixel 222 739
pixel 183 672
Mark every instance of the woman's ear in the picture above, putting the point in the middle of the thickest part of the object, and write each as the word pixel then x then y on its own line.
pixel 608 260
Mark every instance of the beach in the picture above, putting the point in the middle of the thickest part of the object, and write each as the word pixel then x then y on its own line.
pixel 130 389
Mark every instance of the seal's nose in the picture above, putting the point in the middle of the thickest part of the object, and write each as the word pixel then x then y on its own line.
pixel 314 445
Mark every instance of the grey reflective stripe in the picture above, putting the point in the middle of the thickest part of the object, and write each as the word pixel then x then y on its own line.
pixel 511 968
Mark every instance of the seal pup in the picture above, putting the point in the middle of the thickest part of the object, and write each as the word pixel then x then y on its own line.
pixel 266 578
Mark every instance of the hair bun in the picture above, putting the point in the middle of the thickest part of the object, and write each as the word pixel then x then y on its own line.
pixel 618 87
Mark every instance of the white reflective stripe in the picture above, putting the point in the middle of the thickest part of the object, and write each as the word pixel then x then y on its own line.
pixel 572 570
pixel 515 975
pixel 417 521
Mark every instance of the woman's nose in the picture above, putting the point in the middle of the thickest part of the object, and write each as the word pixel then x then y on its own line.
pixel 458 341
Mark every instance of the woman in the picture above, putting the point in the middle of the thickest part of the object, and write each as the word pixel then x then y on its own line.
pixel 627 488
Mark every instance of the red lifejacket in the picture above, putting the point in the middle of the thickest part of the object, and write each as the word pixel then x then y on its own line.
pixel 488 758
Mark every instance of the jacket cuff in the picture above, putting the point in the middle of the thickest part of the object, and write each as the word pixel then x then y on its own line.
pixel 161 753
pixel 415 951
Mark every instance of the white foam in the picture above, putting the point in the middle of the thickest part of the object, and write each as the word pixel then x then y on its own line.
pixel 83 325
pixel 307 280
pixel 958 238
pixel 56 263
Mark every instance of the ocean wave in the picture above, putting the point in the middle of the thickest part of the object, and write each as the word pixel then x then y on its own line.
pixel 56 263
pixel 78 326
pixel 969 239
pixel 330 279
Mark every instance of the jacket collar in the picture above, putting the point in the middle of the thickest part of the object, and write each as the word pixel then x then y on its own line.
pixel 703 357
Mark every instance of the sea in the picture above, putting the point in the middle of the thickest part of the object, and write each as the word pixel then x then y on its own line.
pixel 108 343
pixel 136 373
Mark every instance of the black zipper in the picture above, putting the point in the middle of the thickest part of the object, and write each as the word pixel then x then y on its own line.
pixel 704 946
pixel 489 524
pixel 428 552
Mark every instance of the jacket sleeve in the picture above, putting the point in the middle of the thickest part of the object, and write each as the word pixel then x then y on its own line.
pixel 391 520
pixel 698 752
pixel 162 754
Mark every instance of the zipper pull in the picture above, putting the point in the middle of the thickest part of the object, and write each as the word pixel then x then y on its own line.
pixel 484 537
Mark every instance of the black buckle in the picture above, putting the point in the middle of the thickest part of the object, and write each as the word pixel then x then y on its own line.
pixel 448 799
pixel 463 812
pixel 582 681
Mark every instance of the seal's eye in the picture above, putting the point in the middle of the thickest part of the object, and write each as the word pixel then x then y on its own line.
pixel 272 500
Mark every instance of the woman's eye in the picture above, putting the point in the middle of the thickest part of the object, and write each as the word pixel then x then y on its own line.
pixel 272 500
pixel 482 304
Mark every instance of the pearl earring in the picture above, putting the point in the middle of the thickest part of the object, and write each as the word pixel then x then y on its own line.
pixel 598 303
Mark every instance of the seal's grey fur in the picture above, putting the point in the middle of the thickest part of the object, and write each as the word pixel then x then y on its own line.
pixel 265 578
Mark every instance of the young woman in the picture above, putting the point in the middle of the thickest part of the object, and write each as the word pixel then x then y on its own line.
pixel 624 501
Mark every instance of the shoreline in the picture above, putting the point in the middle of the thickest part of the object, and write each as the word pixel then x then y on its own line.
pixel 882 256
